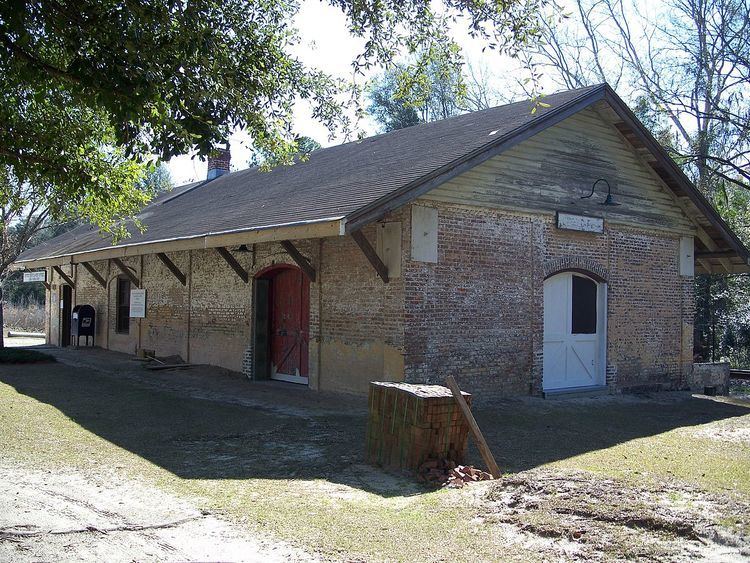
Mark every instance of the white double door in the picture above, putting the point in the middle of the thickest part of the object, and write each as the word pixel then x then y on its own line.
pixel 574 332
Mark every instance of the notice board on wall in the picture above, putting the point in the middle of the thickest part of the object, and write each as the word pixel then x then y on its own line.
pixel 137 303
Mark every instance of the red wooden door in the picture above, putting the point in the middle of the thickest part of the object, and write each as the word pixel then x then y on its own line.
pixel 289 321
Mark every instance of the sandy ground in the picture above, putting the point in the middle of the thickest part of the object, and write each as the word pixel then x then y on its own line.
pixel 575 515
pixel 20 341
pixel 57 516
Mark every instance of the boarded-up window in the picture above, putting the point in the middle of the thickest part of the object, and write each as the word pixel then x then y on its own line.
pixel 123 305
pixel 584 306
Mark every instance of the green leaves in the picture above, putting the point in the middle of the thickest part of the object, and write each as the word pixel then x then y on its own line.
pixel 92 91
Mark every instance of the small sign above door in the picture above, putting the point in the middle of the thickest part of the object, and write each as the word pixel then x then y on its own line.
pixel 571 222
pixel 39 276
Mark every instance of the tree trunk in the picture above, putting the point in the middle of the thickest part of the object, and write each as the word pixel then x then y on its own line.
pixel 2 325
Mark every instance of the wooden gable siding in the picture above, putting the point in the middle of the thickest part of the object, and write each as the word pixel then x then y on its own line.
pixel 552 170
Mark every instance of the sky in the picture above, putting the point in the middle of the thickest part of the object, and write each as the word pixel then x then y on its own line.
pixel 326 44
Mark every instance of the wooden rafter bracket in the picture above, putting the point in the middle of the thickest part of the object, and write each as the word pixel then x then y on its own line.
pixel 232 261
pixel 96 275
pixel 64 276
pixel 300 260
pixel 47 283
pixel 172 267
pixel 126 271
pixel 370 254
pixel 715 254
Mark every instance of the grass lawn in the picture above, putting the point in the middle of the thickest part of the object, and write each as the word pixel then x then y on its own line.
pixel 21 356
pixel 300 477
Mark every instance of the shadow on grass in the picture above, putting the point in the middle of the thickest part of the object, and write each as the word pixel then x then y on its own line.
pixel 527 436
pixel 205 439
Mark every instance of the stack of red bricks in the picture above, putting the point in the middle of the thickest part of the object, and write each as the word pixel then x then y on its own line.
pixel 411 424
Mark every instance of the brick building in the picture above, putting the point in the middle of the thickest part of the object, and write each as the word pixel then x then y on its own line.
pixel 522 253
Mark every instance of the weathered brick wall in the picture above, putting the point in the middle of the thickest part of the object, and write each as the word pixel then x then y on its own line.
pixel 645 310
pixel 128 342
pixel 478 313
pixel 219 310
pixel 361 326
pixel 470 314
pixel 356 321
pixel 165 327
pixel 90 292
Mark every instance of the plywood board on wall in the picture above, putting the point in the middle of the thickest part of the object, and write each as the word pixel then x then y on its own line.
pixel 389 247
pixel 424 234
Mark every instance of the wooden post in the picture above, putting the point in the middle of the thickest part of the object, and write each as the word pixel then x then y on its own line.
pixel 484 449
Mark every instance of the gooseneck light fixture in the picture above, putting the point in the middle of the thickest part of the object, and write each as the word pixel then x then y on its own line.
pixel 609 200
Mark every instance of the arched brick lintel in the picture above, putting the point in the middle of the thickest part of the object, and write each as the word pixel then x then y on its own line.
pixel 584 266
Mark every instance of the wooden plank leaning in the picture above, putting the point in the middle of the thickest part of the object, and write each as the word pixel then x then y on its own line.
pixel 484 449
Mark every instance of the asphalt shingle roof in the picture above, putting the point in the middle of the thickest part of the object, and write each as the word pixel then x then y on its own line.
pixel 333 183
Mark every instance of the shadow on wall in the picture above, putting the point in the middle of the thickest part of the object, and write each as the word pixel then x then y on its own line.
pixel 206 439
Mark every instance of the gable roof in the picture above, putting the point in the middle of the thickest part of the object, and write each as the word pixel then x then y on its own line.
pixel 341 188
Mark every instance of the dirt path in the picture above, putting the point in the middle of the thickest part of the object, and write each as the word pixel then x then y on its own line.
pixel 577 515
pixel 65 516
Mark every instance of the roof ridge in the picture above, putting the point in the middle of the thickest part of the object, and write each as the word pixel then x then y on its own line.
pixel 403 130
pixel 486 147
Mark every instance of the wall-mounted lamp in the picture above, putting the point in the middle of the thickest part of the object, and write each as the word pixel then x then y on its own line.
pixel 609 200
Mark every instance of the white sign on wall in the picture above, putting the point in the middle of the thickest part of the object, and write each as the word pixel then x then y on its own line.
pixel 572 222
pixel 138 303
pixel 39 276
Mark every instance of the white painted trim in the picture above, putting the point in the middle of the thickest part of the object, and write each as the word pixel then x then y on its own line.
pixel 601 332
pixel 299 379
pixel 603 316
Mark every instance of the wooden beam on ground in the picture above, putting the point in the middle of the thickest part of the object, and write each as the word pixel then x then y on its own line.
pixel 370 254
pixel 126 271
pixel 301 261
pixel 96 275
pixel 232 261
pixel 64 276
pixel 484 449
pixel 172 268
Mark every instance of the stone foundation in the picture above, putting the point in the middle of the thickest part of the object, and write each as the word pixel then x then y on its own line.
pixel 710 376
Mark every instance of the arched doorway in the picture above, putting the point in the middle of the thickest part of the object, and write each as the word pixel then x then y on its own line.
pixel 575 314
pixel 282 319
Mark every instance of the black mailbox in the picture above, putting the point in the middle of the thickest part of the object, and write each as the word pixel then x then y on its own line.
pixel 83 323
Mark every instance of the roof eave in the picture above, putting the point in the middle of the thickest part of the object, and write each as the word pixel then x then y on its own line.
pixel 331 226
pixel 696 197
